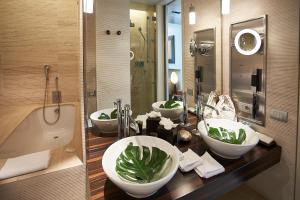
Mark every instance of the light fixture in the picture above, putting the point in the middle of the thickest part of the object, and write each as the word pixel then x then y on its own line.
pixel 192 15
pixel 247 42
pixel 88 6
pixel 174 80
pixel 225 7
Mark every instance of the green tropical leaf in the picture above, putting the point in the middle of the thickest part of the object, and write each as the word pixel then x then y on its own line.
pixel 242 136
pixel 114 114
pixel 171 104
pixel 227 136
pixel 138 164
pixel 103 116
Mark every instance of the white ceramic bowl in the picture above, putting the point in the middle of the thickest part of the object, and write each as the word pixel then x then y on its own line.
pixel 135 189
pixel 173 113
pixel 226 150
pixel 106 125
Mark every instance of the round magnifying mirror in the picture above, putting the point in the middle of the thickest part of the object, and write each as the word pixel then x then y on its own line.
pixel 247 42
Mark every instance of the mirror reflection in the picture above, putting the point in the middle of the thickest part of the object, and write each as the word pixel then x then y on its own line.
pixel 147 63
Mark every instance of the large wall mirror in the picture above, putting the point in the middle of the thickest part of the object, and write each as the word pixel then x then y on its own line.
pixel 139 51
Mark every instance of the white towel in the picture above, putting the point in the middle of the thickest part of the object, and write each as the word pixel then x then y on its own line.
pixel 25 164
pixel 210 167
pixel 188 160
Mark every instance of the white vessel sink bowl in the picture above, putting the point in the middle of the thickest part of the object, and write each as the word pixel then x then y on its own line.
pixel 135 189
pixel 226 150
pixel 106 125
pixel 173 113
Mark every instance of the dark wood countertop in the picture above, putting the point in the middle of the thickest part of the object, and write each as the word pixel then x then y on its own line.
pixel 183 185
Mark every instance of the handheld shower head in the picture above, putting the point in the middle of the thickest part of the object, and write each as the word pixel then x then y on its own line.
pixel 46 71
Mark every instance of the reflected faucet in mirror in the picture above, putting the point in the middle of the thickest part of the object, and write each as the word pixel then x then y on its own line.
pixel 125 120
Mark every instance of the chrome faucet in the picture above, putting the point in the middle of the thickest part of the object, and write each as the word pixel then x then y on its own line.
pixel 128 122
pixel 125 121
pixel 185 112
pixel 118 104
pixel 201 106
pixel 200 111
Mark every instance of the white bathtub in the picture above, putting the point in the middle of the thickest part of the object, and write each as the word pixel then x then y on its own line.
pixel 34 135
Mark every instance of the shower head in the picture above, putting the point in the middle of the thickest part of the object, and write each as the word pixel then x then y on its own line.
pixel 46 71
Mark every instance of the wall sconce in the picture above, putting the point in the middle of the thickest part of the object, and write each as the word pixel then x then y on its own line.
pixel 192 15
pixel 225 7
pixel 88 6
pixel 174 80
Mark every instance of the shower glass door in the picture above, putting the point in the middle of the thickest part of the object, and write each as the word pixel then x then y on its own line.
pixel 142 57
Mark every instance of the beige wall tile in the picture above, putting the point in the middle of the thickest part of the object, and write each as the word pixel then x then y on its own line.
pixel 34 34
pixel 282 85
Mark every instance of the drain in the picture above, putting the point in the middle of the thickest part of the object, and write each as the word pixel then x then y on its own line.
pixel 55 137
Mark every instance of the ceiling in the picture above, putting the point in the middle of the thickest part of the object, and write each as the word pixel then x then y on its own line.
pixel 152 2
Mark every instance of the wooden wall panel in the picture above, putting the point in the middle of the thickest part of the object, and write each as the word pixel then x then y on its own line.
pixel 33 34
pixel 282 85
pixel 207 16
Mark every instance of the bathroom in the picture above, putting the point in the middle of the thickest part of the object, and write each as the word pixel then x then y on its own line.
pixel 81 80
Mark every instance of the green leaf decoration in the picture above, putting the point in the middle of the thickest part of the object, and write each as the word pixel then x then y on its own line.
pixel 242 136
pixel 161 106
pixel 103 116
pixel 137 164
pixel 171 104
pixel 114 114
pixel 227 136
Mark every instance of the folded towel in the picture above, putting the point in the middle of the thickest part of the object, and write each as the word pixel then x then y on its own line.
pixel 142 118
pixel 188 160
pixel 210 167
pixel 25 164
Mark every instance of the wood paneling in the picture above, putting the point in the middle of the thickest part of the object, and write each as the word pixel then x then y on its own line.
pixel 33 34
pixel 207 16
pixel 282 85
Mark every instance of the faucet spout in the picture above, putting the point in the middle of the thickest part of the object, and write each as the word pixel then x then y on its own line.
pixel 129 122
pixel 203 117
pixel 211 107
pixel 118 105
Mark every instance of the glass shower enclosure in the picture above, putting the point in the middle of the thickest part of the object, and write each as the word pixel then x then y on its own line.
pixel 142 57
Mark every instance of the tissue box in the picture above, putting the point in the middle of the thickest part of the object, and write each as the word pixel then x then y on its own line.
pixel 167 135
pixel 151 125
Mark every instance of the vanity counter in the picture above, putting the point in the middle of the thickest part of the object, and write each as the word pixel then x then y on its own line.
pixel 183 185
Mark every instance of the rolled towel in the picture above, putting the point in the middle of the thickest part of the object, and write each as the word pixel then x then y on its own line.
pixel 25 164
pixel 188 160
pixel 210 167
